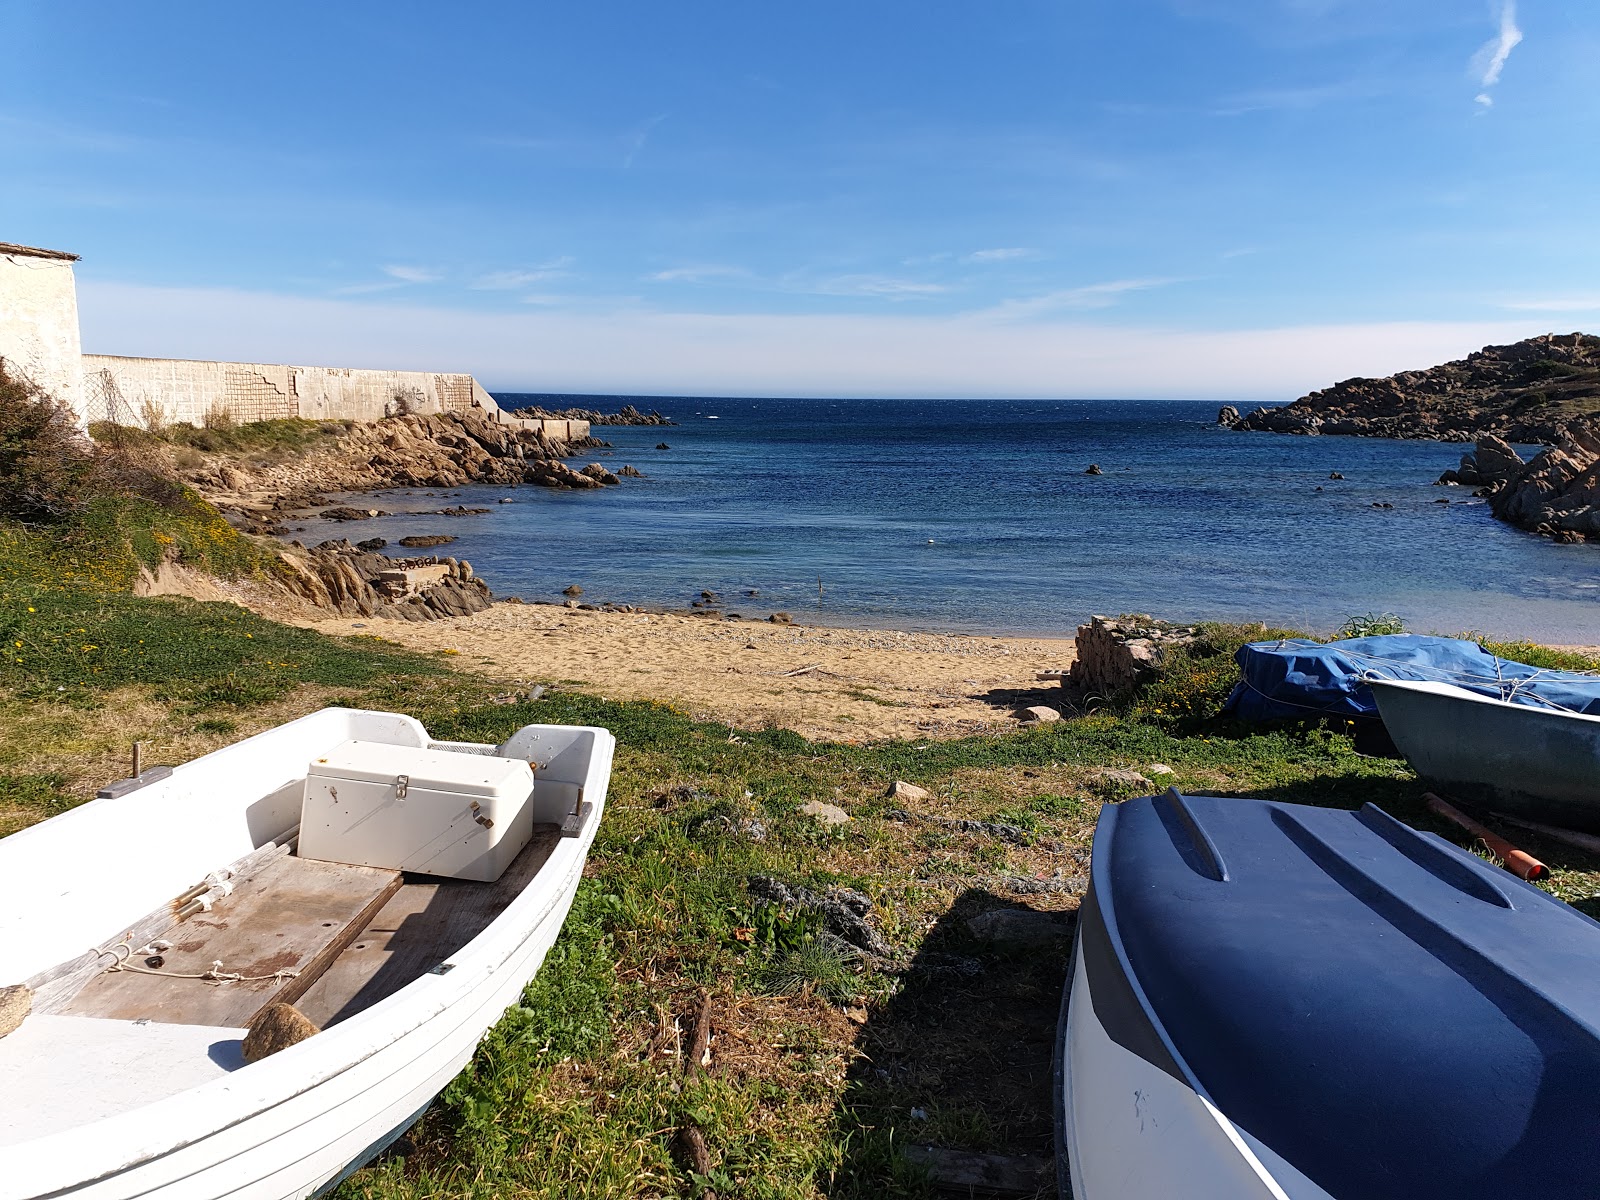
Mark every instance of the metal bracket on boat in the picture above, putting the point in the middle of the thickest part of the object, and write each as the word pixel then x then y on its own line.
pixel 133 783
pixel 401 784
pixel 442 969
pixel 577 819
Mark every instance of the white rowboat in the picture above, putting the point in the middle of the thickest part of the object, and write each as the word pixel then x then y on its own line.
pixel 99 1103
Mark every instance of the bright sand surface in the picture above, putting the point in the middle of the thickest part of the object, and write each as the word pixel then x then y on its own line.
pixel 821 682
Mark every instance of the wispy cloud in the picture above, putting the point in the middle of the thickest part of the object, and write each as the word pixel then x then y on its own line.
pixel 1491 57
pixel 508 280
pixel 1293 99
pixel 873 285
pixel 412 274
pixel 1556 304
pixel 698 273
pixel 1089 296
pixel 640 137
pixel 1000 254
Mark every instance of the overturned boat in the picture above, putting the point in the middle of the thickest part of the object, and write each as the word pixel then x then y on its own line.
pixel 1540 761
pixel 1273 1000
pixel 392 893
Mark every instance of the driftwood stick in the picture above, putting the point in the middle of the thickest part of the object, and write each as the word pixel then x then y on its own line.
pixel 691 1140
pixel 1583 841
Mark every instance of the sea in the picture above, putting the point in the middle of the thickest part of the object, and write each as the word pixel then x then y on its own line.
pixel 980 516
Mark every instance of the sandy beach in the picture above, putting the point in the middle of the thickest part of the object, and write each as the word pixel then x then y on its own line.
pixel 822 682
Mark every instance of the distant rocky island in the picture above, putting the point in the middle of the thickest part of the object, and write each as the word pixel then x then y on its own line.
pixel 1543 390
pixel 1525 392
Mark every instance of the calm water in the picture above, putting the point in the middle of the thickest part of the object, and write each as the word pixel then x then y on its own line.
pixel 978 516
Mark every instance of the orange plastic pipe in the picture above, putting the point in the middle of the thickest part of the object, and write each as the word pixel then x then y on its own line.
pixel 1520 863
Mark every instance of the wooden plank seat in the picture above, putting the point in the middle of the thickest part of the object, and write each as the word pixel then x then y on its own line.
pixel 279 931
pixel 418 928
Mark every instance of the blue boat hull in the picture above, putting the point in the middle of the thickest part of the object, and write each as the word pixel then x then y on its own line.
pixel 1272 1000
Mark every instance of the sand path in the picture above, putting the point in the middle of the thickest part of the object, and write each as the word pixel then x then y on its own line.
pixel 841 684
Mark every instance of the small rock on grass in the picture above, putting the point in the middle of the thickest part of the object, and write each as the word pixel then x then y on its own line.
pixel 903 791
pixel 16 1002
pixel 1160 769
pixel 825 814
pixel 1120 775
pixel 1039 713
pixel 1019 927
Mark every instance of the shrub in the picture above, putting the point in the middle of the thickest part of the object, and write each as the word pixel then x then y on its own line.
pixel 45 461
pixel 1372 625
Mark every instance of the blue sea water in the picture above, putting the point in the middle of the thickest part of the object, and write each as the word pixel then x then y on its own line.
pixel 978 515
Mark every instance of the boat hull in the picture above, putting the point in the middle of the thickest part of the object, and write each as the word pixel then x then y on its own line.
pixel 1539 763
pixel 292 1125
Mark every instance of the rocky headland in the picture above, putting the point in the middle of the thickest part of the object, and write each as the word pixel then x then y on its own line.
pixel 627 415
pixel 1544 390
pixel 1525 392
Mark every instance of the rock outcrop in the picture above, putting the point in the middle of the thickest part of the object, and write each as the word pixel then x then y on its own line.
pixel 346 581
pixel 1525 392
pixel 628 415
pixel 1556 493
pixel 1118 654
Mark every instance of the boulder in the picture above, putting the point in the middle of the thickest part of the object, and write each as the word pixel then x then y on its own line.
pixel 1119 654
pixel 1038 714
pixel 1227 416
pixel 1094 469
pixel 421 541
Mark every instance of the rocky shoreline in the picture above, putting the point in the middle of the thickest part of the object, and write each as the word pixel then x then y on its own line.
pixel 1524 392
pixel 1556 493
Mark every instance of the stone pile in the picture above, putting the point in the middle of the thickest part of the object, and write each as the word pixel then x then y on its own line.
pixel 628 415
pixel 1556 493
pixel 1118 654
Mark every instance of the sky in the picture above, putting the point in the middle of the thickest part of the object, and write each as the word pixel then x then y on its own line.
pixel 1174 198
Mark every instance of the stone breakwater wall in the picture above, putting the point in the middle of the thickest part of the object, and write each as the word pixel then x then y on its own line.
pixel 1118 654
pixel 146 391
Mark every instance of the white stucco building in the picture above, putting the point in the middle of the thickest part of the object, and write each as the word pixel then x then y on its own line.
pixel 39 320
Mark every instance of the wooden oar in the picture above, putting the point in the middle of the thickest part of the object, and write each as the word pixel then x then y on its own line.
pixel 1520 863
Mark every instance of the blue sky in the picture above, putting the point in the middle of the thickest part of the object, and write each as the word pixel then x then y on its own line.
pixel 1109 197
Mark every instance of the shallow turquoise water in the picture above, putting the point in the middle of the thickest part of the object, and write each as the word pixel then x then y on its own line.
pixel 977 515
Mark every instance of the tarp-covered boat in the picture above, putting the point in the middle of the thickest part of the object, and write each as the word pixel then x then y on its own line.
pixel 1531 761
pixel 129 1076
pixel 1298 678
pixel 1272 1000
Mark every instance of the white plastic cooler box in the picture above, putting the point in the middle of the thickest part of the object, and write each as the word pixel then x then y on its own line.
pixel 434 812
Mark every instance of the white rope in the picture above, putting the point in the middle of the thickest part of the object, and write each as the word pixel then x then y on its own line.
pixel 123 952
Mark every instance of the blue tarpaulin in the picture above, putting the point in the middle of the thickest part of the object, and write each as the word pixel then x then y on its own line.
pixel 1299 678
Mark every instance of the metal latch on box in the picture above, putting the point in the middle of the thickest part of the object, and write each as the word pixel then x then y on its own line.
pixel 401 784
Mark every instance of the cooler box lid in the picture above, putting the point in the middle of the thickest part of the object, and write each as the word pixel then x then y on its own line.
pixel 437 770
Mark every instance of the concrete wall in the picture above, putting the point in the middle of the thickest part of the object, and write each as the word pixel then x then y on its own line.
pixel 39 320
pixel 142 391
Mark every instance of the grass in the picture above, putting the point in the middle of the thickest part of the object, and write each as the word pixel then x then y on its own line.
pixel 823 1060
pixel 265 441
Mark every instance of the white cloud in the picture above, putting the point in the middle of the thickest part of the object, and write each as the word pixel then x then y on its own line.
pixel 766 354
pixel 871 285
pixel 639 138
pixel 1491 57
pixel 1000 254
pixel 1093 295
pixel 701 273
pixel 507 280
pixel 412 274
